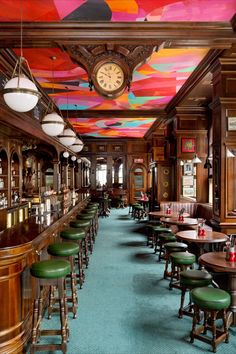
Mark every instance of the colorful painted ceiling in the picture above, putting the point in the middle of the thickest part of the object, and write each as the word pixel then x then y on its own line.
pixel 118 10
pixel 154 84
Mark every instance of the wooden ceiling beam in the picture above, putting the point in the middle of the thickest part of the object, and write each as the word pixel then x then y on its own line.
pixel 169 34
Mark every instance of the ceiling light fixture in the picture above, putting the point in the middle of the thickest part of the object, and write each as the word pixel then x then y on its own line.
pixel 68 137
pixel 20 93
pixel 52 123
pixel 77 146
pixel 73 158
pixel 196 159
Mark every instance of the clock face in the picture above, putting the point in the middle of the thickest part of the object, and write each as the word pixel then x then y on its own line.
pixel 110 77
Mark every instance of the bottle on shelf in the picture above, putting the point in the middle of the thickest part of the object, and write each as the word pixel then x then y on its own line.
pixel 1 183
pixel 0 166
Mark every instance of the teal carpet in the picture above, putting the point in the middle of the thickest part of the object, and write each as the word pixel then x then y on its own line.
pixel 125 306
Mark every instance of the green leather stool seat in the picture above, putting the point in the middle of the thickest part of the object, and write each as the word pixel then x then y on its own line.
pixel 184 258
pixel 195 278
pixel 50 269
pixel 90 209
pixel 87 212
pixel 175 246
pixel 210 299
pixel 80 223
pixel 65 249
pixel 73 234
pixel 139 207
pixel 84 217
pixel 167 237
pixel 160 229
pixel 93 204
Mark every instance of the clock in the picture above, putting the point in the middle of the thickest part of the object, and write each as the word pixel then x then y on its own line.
pixel 110 77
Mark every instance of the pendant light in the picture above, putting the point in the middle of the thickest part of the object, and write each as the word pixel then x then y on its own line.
pixel 77 146
pixel 68 137
pixel 66 154
pixel 21 93
pixel 52 123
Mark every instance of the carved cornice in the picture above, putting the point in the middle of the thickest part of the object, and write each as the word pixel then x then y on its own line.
pixel 88 55
pixel 174 34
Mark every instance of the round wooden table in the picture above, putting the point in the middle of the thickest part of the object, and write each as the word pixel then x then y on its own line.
pixel 162 213
pixel 181 224
pixel 216 262
pixel 211 238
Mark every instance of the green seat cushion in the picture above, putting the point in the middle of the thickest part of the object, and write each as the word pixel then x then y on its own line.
pixel 84 217
pixel 139 207
pixel 184 258
pixel 80 223
pixel 210 298
pixel 87 212
pixel 195 278
pixel 161 229
pixel 73 234
pixel 175 246
pixel 92 209
pixel 64 249
pixel 50 269
pixel 93 204
pixel 167 237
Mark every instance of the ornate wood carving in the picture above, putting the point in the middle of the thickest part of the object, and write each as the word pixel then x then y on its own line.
pixel 88 55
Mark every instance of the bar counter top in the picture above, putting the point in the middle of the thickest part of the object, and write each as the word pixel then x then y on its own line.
pixel 20 246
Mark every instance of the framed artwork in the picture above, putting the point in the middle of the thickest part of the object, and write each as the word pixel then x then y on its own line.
pixel 188 144
pixel 231 123
pixel 188 169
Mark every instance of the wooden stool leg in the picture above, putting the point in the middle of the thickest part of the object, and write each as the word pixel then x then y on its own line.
pixel 63 315
pixel 183 292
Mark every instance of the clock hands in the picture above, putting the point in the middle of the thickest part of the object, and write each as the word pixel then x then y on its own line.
pixel 106 75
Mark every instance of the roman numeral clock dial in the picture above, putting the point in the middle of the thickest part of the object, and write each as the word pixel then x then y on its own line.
pixel 109 79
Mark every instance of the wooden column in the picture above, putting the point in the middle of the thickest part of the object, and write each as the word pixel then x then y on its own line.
pixel 56 176
pixel 224 138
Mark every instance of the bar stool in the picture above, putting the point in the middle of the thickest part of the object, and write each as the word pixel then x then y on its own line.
pixel 169 248
pixel 89 217
pixel 162 239
pixel 86 225
pixel 214 303
pixel 190 279
pixel 157 230
pixel 180 261
pixel 78 235
pixel 50 272
pixel 150 234
pixel 66 250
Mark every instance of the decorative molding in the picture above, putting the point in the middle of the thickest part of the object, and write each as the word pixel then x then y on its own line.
pixel 45 34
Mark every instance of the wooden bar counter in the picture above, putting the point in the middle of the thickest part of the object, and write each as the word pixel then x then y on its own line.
pixel 20 246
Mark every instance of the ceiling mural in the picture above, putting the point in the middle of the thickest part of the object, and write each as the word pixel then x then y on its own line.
pixel 112 127
pixel 118 10
pixel 153 85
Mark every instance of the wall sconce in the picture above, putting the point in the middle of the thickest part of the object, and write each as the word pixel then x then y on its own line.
pixel 229 153
pixel 196 159
pixel 66 154
pixel 207 164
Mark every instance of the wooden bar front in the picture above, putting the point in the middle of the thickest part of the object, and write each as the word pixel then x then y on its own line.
pixel 20 246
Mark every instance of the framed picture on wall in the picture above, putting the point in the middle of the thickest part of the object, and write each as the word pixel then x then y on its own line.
pixel 188 144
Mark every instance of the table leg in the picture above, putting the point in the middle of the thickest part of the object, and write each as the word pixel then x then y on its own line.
pixel 231 316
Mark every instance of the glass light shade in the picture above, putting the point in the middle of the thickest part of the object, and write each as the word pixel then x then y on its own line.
pixel 21 94
pixel 73 158
pixel 77 146
pixel 229 153
pixel 68 137
pixel 79 160
pixel 66 154
pixel 196 159
pixel 53 124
